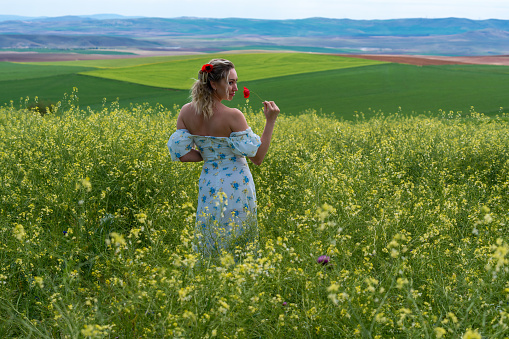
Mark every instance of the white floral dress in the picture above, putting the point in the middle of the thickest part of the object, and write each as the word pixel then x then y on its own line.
pixel 226 213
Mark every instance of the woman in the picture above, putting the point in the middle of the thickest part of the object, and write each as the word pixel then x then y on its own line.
pixel 209 131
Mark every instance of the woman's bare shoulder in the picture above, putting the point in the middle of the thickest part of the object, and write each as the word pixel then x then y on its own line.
pixel 185 116
pixel 237 120
pixel 234 111
pixel 188 109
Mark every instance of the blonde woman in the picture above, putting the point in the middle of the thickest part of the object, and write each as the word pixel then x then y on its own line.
pixel 218 135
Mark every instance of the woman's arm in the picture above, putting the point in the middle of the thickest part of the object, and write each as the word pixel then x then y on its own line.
pixel 271 112
pixel 192 156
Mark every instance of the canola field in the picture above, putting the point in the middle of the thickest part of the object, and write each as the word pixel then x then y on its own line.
pixel 97 225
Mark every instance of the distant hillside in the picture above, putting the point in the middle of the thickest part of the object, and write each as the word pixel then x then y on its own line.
pixel 454 36
pixel 20 41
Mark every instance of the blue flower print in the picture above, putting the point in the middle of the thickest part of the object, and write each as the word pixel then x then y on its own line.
pixel 235 185
pixel 246 180
pixel 212 191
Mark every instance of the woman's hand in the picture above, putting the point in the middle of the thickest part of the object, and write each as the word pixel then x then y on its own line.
pixel 270 110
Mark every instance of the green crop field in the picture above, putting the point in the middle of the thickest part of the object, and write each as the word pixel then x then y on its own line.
pixel 17 71
pixel 117 63
pixel 179 74
pixel 91 91
pixel 296 81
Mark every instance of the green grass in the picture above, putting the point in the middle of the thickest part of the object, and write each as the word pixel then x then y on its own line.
pixel 97 224
pixel 180 74
pixel 117 63
pixel 17 71
pixel 91 92
pixel 296 81
pixel 390 88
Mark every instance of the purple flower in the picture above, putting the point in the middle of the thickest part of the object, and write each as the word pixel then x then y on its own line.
pixel 324 260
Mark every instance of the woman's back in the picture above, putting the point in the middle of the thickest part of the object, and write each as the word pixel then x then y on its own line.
pixel 222 123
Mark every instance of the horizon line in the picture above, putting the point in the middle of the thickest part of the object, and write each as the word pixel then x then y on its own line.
pixel 121 16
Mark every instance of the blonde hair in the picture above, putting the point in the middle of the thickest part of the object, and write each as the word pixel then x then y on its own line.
pixel 202 93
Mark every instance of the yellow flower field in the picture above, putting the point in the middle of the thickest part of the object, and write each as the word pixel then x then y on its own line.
pixel 97 225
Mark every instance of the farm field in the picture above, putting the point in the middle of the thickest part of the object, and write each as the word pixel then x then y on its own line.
pixel 337 85
pixel 412 211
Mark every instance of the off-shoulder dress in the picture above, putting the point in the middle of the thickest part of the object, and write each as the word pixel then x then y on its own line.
pixel 226 213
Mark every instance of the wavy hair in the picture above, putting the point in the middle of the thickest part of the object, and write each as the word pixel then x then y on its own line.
pixel 202 93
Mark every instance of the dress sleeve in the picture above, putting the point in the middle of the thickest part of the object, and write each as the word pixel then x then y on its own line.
pixel 180 143
pixel 244 143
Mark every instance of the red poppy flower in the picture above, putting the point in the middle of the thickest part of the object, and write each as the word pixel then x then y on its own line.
pixel 246 93
pixel 207 68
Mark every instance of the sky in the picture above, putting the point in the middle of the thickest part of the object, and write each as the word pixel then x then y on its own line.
pixel 265 9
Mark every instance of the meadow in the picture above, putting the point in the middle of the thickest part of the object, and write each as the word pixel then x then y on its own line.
pixel 97 226
pixel 336 85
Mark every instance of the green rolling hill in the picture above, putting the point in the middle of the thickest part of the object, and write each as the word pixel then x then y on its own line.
pixel 297 81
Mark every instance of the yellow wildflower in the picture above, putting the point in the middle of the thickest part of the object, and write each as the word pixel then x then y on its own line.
pixel 333 288
pixel 39 281
pixel 142 217
pixel 500 251
pixel 400 282
pixel 472 334
pixel 227 260
pixel 19 232
pixel 116 239
pixel 85 183
pixel 440 332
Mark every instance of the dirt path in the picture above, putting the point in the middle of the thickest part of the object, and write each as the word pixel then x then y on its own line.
pixel 421 60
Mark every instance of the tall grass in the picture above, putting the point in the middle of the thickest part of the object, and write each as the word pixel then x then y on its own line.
pixel 96 225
